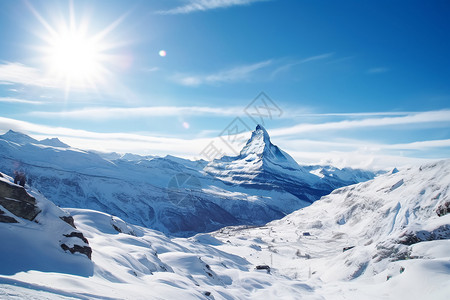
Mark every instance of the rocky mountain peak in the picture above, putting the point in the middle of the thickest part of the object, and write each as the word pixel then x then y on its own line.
pixel 258 143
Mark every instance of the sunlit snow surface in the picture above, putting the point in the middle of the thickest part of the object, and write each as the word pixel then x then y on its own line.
pixel 304 249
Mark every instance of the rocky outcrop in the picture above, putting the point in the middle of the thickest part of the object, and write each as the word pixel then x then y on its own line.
pixel 5 218
pixel 443 209
pixel 69 220
pixel 17 201
pixel 86 250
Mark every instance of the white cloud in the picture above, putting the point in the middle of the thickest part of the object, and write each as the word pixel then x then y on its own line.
pixel 413 118
pixel 22 74
pixel 238 73
pixel 17 73
pixel 358 159
pixel 288 66
pixel 102 113
pixel 16 100
pixel 203 5
pixel 106 113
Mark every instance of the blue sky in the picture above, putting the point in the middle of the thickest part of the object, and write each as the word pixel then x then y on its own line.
pixel 359 83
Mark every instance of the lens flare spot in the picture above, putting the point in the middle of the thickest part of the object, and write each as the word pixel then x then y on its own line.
pixel 186 125
pixel 162 53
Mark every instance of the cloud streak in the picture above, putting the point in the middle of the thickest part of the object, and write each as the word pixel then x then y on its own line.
pixel 204 5
pixel 152 111
pixel 414 118
pixel 19 101
pixel 243 72
pixel 22 74
pixel 286 67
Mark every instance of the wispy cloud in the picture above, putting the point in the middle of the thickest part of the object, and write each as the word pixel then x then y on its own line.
pixel 413 118
pixel 22 74
pixel 286 67
pixel 150 69
pixel 203 5
pixel 243 72
pixel 23 101
pixel 377 70
pixel 102 113
pixel 17 73
pixel 364 154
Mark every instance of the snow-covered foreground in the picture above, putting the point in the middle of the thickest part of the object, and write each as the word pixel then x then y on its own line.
pixel 401 250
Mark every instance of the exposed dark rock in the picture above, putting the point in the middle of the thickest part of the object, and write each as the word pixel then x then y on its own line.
pixel 69 220
pixel 78 235
pixel 443 209
pixel 116 228
pixel 392 252
pixel 263 267
pixel 6 219
pixel 440 233
pixel 347 248
pixel 207 293
pixel 17 201
pixel 86 250
pixel 409 239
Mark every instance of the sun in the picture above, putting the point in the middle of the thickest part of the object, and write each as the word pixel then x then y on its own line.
pixel 75 55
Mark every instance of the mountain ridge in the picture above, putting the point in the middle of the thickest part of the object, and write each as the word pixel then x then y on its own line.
pixel 146 190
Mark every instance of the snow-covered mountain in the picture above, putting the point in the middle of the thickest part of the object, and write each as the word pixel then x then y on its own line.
pixel 262 165
pixel 383 239
pixel 22 139
pixel 171 194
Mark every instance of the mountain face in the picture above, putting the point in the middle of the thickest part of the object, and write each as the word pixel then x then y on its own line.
pixel 262 165
pixel 175 195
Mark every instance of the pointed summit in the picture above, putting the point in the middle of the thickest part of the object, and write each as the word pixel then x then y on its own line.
pixel 258 143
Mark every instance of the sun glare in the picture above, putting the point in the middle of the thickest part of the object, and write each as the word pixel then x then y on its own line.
pixel 75 56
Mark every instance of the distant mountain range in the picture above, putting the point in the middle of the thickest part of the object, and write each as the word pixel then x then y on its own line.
pixel 174 195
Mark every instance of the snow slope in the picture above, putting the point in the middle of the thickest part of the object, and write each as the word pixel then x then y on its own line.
pixel 401 250
pixel 383 236
pixel 128 262
pixel 170 194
